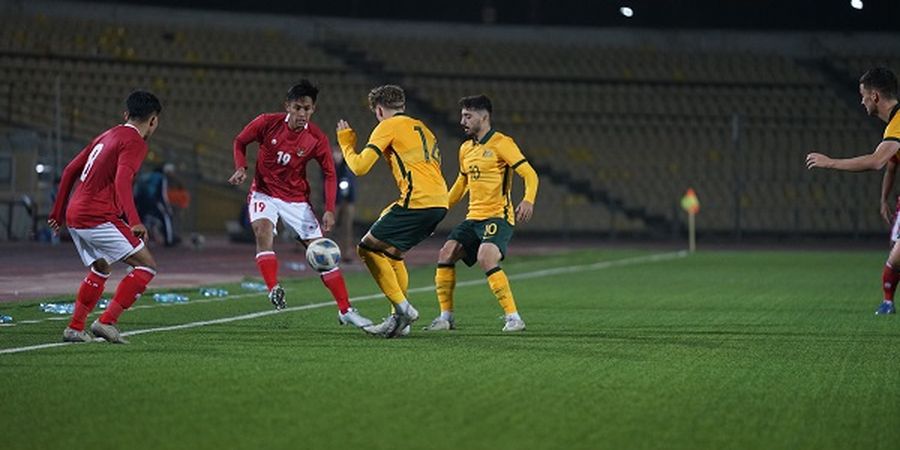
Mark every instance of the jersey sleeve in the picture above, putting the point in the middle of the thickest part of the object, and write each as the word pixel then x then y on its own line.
pixel 892 131
pixel 358 163
pixel 381 138
pixel 329 174
pixel 251 133
pixel 128 165
pixel 458 190
pixel 512 155
pixel 72 170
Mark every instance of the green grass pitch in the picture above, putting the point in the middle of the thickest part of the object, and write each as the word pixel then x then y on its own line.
pixel 767 350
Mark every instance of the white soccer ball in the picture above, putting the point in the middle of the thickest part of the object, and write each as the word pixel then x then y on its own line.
pixel 323 255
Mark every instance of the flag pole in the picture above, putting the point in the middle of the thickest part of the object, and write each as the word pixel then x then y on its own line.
pixel 692 236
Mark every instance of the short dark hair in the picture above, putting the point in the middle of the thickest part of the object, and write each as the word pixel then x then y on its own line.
pixel 880 79
pixel 302 89
pixel 141 105
pixel 479 102
pixel 387 96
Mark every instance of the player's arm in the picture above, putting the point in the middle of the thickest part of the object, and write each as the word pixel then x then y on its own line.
pixel 514 157
pixel 251 133
pixel 128 165
pixel 329 180
pixel 359 163
pixel 57 215
pixel 459 189
pixel 873 161
pixel 887 185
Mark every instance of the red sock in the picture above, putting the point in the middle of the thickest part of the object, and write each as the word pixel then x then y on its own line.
pixel 131 287
pixel 88 294
pixel 268 268
pixel 334 281
pixel 889 278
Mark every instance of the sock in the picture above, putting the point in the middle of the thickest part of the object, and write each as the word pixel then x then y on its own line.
pixel 444 284
pixel 889 278
pixel 334 281
pixel 132 286
pixel 88 295
pixel 500 286
pixel 400 272
pixel 383 273
pixel 267 263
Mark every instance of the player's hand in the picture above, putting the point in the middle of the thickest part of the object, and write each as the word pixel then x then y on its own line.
pixel 139 231
pixel 327 221
pixel 239 176
pixel 887 213
pixel 818 160
pixel 524 211
pixel 54 225
pixel 345 135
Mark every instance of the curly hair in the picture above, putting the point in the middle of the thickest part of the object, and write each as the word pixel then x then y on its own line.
pixel 387 96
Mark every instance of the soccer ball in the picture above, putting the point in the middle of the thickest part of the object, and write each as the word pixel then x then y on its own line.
pixel 323 255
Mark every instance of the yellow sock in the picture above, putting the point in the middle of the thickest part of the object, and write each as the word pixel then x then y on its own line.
pixel 400 272
pixel 444 284
pixel 381 270
pixel 500 286
pixel 402 277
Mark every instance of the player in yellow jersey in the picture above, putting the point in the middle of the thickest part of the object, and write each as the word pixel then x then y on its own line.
pixel 486 163
pixel 410 150
pixel 878 89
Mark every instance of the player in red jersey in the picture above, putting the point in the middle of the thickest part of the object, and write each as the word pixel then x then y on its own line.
pixel 287 142
pixel 102 174
pixel 878 89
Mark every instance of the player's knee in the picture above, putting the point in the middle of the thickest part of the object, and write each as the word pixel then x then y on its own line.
pixel 101 266
pixel 488 258
pixel 445 255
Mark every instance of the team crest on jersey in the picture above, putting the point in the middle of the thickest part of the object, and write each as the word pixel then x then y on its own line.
pixel 487 154
pixel 274 141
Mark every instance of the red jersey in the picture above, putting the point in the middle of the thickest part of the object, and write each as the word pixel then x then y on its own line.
pixel 283 154
pixel 103 171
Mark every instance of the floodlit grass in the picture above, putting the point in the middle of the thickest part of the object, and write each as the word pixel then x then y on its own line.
pixel 715 350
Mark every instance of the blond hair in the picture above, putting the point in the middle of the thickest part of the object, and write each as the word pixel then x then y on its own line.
pixel 388 96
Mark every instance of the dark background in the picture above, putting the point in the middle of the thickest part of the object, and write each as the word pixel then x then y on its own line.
pixel 882 15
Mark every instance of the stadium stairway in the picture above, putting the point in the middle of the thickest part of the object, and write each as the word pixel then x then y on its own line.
pixel 377 71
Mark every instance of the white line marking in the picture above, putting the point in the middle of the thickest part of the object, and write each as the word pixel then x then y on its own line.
pixel 521 276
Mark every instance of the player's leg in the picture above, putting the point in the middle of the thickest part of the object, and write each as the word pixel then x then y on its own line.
pixel 91 288
pixel 130 288
pixel 382 250
pixel 264 213
pixel 301 218
pixel 495 235
pixel 445 284
pixel 89 293
pixel 890 276
pixel 489 260
pixel 374 254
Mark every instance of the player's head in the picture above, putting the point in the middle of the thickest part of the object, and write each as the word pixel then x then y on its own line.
pixel 143 108
pixel 387 100
pixel 300 104
pixel 476 114
pixel 876 86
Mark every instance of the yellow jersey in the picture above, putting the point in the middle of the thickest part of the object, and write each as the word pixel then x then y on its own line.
pixel 485 170
pixel 411 151
pixel 892 130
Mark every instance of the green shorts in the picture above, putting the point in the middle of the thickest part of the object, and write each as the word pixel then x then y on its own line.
pixel 403 228
pixel 472 233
